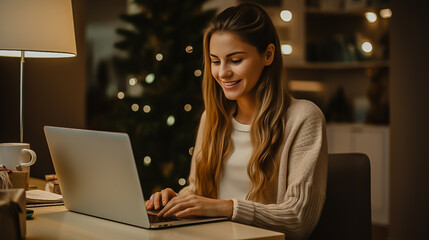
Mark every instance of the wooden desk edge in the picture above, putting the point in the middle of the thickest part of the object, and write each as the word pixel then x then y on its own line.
pixel 33 228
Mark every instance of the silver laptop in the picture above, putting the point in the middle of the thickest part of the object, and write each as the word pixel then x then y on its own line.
pixel 98 176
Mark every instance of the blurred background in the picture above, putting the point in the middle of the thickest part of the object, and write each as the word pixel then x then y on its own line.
pixel 139 70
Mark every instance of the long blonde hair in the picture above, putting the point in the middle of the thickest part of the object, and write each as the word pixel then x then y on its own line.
pixel 254 26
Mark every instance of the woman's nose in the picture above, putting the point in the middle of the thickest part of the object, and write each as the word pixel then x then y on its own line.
pixel 224 71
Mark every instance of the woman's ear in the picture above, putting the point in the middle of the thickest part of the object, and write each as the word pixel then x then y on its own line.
pixel 269 54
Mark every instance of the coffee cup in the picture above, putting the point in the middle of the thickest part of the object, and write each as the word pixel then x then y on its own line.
pixel 17 156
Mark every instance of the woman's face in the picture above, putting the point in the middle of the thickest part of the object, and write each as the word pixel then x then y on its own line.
pixel 236 65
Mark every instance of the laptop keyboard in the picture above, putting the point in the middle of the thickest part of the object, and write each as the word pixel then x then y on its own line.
pixel 156 219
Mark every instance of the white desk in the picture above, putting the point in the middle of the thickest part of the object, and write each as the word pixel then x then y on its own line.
pixel 58 223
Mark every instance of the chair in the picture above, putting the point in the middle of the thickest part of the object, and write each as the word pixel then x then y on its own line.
pixel 347 210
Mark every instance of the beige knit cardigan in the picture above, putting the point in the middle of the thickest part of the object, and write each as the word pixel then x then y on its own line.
pixel 296 203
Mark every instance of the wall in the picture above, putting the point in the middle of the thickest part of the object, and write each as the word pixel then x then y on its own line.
pixel 54 94
pixel 409 87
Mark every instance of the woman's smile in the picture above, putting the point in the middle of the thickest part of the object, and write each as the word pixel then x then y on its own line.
pixel 230 84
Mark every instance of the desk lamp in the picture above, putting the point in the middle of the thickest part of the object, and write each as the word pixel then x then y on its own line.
pixel 36 29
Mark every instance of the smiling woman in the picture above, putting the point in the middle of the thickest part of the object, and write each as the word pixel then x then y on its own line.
pixel 260 156
pixel 236 65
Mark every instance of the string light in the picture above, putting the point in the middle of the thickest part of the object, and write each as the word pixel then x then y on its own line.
pixel 132 81
pixel 367 47
pixel 147 160
pixel 159 57
pixel 135 107
pixel 189 49
pixel 150 78
pixel 146 108
pixel 286 49
pixel 121 95
pixel 286 15
pixel 187 107
pixel 182 181
pixel 371 17
pixel 386 13
pixel 171 120
pixel 197 73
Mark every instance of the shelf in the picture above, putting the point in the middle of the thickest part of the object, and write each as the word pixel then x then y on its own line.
pixel 315 10
pixel 337 65
pixel 357 12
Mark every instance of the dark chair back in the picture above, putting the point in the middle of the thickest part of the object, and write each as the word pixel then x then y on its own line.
pixel 347 210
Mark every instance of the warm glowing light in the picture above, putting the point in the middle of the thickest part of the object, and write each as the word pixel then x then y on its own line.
pixel 371 17
pixel 135 107
pixel 182 182
pixel 159 57
pixel 305 86
pixel 171 120
pixel 286 15
pixel 197 73
pixel 188 107
pixel 386 13
pixel 132 81
pixel 286 49
pixel 367 47
pixel 189 49
pixel 147 160
pixel 146 108
pixel 121 95
pixel 150 78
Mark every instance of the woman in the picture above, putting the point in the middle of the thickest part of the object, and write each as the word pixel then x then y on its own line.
pixel 260 156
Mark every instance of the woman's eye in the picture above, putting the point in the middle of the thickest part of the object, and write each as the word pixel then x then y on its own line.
pixel 236 61
pixel 215 61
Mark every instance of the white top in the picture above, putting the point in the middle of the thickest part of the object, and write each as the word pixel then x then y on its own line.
pixel 235 182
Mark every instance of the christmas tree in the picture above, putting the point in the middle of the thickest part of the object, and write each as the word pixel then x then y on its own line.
pixel 162 103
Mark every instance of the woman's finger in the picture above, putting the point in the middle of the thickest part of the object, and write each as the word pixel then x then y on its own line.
pixel 167 194
pixel 149 203
pixel 157 200
pixel 173 202
pixel 167 207
pixel 177 208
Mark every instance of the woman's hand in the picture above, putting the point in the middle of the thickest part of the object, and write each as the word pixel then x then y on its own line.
pixel 189 205
pixel 160 199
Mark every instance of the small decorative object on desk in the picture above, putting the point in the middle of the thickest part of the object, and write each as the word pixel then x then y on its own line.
pixel 52 184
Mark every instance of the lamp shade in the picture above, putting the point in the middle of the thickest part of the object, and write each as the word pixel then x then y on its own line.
pixel 39 28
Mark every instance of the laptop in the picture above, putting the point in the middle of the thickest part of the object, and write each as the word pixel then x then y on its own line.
pixel 98 176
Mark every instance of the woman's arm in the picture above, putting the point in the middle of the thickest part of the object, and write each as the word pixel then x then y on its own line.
pixel 301 181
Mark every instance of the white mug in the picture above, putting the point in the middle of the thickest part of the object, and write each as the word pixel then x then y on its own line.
pixel 13 155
